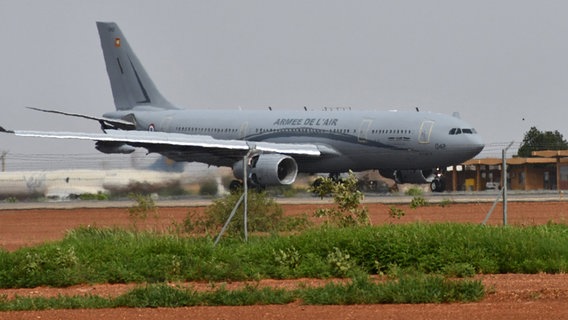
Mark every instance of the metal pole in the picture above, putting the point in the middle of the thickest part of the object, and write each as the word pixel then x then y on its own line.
pixel 245 161
pixel 505 183
pixel 244 197
pixel 504 186
pixel 492 207
pixel 503 192
pixel 229 219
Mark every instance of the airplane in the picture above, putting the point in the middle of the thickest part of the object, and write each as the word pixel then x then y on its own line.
pixel 407 146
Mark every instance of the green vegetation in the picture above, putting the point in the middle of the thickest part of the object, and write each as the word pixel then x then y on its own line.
pixel 94 196
pixel 92 255
pixel 446 203
pixel 164 189
pixel 264 215
pixel 208 188
pixel 11 200
pixel 347 198
pixel 139 211
pixel 414 192
pixel 418 201
pixel 416 261
pixel 409 289
pixel 395 212
pixel 535 140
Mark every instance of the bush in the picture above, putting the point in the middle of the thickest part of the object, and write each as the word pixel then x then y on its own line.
pixel 91 196
pixel 347 198
pixel 418 202
pixel 139 211
pixel 395 212
pixel 208 188
pixel 264 214
pixel 414 192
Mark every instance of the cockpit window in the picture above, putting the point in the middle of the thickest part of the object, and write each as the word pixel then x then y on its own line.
pixel 455 131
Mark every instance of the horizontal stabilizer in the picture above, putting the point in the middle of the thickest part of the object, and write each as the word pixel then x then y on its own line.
pixel 105 122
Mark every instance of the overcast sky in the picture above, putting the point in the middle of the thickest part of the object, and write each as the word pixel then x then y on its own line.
pixel 503 65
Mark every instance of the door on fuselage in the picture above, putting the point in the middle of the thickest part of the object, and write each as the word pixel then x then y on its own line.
pixel 425 131
pixel 364 130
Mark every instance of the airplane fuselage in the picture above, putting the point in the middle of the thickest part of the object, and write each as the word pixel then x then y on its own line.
pixel 362 140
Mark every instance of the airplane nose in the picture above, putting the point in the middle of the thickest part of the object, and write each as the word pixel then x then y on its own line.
pixel 476 145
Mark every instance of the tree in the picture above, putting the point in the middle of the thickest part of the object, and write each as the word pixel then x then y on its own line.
pixel 536 140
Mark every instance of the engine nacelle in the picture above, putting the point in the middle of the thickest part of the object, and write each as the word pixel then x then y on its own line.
pixel 113 147
pixel 410 176
pixel 268 170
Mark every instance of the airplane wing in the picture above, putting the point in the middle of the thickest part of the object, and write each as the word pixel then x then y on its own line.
pixel 183 147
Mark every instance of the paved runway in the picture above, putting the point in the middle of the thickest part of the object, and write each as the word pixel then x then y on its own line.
pixel 195 201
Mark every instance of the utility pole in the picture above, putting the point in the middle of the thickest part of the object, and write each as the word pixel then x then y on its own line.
pixel 3 156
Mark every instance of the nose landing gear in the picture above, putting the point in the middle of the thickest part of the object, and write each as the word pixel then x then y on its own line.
pixel 437 185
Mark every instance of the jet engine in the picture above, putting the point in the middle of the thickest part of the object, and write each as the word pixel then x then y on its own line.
pixel 410 176
pixel 268 170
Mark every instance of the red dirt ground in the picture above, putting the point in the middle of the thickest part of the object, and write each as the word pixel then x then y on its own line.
pixel 540 296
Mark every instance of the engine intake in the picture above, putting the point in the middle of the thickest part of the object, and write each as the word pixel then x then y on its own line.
pixel 268 170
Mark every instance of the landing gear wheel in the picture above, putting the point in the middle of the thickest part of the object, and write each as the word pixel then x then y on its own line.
pixel 317 182
pixel 437 185
pixel 235 186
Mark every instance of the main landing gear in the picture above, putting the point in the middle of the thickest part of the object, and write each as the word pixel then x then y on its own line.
pixel 235 186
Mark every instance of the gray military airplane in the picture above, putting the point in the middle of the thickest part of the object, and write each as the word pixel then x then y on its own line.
pixel 406 146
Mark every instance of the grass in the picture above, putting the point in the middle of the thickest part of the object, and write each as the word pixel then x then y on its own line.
pixel 94 255
pixel 408 289
pixel 418 259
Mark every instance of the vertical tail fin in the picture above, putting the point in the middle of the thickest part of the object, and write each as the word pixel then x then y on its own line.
pixel 131 85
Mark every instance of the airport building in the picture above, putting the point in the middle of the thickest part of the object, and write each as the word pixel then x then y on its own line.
pixel 548 170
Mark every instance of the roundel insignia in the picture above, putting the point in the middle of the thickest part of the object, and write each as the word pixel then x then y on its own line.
pixel 151 127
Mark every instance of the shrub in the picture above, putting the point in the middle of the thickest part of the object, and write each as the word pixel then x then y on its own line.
pixel 418 202
pixel 144 205
pixel 347 197
pixel 414 192
pixel 340 262
pixel 395 212
pixel 446 202
pixel 264 214
pixel 208 188
pixel 92 196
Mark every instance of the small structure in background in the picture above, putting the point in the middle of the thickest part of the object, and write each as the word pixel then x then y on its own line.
pixel 548 170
